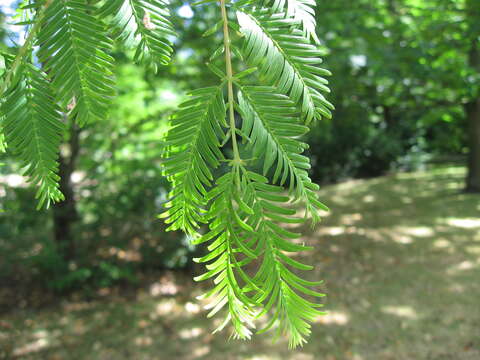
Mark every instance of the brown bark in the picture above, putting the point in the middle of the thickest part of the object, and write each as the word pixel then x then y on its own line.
pixel 472 110
pixel 388 117
pixel 65 213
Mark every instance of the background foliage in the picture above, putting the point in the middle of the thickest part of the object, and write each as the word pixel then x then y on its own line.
pixel 402 77
pixel 398 93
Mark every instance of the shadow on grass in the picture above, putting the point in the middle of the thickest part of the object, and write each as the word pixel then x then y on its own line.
pixel 400 256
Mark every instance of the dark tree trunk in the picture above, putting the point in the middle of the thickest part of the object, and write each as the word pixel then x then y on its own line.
pixel 472 110
pixel 65 213
pixel 388 118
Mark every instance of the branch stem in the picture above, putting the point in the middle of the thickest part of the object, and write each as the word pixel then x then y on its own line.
pixel 231 99
pixel 25 47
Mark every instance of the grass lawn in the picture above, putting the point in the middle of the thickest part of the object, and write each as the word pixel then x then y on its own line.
pixel 400 256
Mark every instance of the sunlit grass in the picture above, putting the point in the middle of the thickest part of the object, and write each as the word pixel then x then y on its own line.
pixel 400 256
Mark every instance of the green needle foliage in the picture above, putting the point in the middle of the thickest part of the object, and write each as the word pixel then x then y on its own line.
pixel 271 122
pixel 69 43
pixel 33 129
pixel 193 150
pixel 286 59
pixel 143 25
pixel 302 11
pixel 234 153
pixel 241 175
pixel 73 50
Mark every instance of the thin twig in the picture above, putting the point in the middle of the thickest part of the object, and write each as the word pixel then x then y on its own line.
pixel 25 47
pixel 231 100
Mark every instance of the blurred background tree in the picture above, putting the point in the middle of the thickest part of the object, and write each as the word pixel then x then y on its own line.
pixel 402 81
pixel 405 83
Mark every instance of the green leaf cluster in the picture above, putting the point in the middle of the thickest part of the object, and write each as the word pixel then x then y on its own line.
pixel 193 144
pixel 63 74
pixel 235 159
pixel 286 59
pixel 33 129
pixel 143 25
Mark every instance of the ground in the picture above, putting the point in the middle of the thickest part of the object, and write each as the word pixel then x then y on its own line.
pixel 400 256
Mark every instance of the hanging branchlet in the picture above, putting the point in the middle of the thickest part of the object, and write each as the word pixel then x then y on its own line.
pixel 71 42
pixel 235 160
pixel 33 130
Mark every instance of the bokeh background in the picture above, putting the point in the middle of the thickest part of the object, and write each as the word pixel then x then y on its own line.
pixel 97 276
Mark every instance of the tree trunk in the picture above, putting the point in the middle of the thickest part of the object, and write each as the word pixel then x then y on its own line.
pixel 65 213
pixel 472 110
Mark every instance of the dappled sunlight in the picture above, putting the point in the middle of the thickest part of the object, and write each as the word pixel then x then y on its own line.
pixel 13 180
pixel 400 188
pixel 350 185
pixel 331 230
pixel 407 200
pixel 79 327
pixel 128 255
pixel 474 250
pixel 442 244
pixel 463 266
pixel 42 341
pixel 324 214
pixel 401 311
pixel 357 357
pixel 143 341
pixel 402 239
pixel 200 351
pixel 335 248
pixel 333 318
pixel 142 324
pixel 165 307
pixel 190 333
pixel 350 219
pixel 259 357
pixel 339 200
pixel 165 286
pixel 368 199
pixel 372 234
pixel 470 223
pixel 456 171
pixel 456 288
pixel 421 256
pixel 77 306
pixel 303 356
pixel 297 355
pixel 454 186
pixel 32 347
pixel 192 308
pixel 416 231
